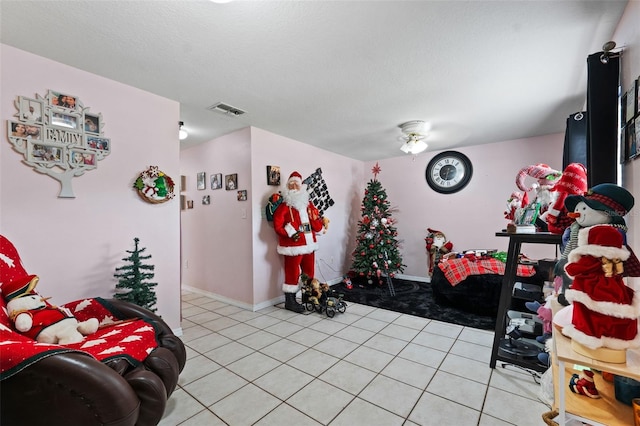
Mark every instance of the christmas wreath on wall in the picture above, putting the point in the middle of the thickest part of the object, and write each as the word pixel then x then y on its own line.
pixel 154 186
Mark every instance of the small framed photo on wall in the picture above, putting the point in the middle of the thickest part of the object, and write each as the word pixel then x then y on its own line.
pixel 201 179
pixel 273 175
pixel 31 109
pixel 91 123
pixel 638 96
pixel 631 142
pixel 631 102
pixel 242 195
pixel 216 180
pixel 62 100
pixel 231 182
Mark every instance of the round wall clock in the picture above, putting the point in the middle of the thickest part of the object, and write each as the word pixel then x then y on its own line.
pixel 449 172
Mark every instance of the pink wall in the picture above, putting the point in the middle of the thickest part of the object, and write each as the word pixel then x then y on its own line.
pixel 74 245
pixel 216 238
pixel 344 179
pixel 234 257
pixel 469 218
pixel 627 35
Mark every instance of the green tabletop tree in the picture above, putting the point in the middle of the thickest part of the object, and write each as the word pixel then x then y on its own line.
pixel 133 285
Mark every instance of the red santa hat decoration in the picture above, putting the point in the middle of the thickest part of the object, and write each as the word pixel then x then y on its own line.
pixel 572 182
pixel 295 177
pixel 605 309
pixel 14 279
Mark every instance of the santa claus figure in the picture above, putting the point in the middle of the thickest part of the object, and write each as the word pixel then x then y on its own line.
pixel 297 222
pixel 605 309
pixel 545 178
pixel 437 246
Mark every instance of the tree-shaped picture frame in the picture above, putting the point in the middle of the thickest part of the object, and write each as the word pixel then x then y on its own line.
pixel 58 137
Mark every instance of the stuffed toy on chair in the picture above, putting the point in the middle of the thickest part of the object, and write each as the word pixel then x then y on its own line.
pixel 31 314
pixel 37 319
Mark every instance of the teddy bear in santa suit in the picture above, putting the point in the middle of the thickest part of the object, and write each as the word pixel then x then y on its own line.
pixel 297 222
pixel 605 310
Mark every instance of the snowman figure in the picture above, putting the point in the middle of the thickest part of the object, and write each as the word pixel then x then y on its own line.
pixel 605 203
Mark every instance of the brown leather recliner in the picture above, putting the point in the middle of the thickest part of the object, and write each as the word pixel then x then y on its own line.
pixel 73 388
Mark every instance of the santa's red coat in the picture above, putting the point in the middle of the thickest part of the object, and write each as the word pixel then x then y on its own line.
pixel 605 310
pixel 287 217
pixel 43 318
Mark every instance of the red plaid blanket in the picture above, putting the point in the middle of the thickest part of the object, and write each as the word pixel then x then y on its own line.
pixel 130 339
pixel 457 270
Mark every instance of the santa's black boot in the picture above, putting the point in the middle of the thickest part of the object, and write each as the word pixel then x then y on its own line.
pixel 292 304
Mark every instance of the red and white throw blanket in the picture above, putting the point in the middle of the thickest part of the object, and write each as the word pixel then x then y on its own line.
pixel 130 339
pixel 457 270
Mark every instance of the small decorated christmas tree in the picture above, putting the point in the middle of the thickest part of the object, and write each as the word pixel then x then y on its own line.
pixel 132 280
pixel 376 251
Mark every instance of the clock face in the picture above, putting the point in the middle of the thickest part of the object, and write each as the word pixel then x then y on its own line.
pixel 449 172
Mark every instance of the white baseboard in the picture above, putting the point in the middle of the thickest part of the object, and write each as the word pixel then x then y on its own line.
pixel 412 278
pixel 234 302
pixel 277 300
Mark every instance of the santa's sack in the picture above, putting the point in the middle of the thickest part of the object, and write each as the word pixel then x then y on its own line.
pixel 272 204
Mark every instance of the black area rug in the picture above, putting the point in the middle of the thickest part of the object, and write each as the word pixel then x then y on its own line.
pixel 413 298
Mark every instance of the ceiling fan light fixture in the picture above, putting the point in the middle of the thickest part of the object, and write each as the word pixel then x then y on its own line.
pixel 414 146
pixel 182 133
pixel 414 133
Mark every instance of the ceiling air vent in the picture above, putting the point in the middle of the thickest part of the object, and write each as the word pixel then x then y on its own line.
pixel 226 109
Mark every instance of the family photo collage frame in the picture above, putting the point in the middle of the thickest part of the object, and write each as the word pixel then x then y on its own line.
pixel 58 136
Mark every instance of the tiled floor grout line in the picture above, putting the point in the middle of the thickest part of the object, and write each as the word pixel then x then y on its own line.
pixel 459 337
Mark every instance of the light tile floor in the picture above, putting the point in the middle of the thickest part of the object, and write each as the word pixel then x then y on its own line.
pixel 366 366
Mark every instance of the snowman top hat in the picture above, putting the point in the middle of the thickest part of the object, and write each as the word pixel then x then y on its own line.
pixel 606 197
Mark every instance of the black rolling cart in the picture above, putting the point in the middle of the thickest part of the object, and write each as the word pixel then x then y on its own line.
pixel 498 352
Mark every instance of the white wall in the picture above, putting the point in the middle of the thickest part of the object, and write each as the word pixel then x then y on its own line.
pixel 628 35
pixel 74 245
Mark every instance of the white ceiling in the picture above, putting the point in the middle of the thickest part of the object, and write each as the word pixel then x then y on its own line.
pixel 341 75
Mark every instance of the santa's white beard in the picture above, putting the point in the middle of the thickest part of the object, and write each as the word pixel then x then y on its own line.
pixel 298 199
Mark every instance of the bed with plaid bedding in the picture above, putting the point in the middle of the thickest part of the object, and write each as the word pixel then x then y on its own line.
pixel 457 270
